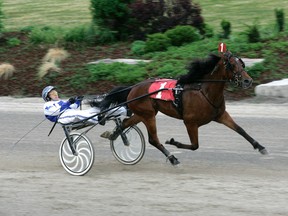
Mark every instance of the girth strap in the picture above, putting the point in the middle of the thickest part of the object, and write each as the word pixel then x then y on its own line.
pixel 178 91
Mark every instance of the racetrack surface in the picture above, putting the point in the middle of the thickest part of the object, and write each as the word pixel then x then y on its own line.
pixel 225 176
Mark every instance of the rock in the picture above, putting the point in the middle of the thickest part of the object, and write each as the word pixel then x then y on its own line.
pixel 277 88
pixel 126 61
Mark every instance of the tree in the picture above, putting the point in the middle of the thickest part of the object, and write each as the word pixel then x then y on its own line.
pixel 111 14
pixel 152 16
pixel 137 18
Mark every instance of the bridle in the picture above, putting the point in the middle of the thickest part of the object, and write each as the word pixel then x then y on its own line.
pixel 237 75
pixel 236 78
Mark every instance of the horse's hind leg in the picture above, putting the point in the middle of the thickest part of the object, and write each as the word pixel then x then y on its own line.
pixel 153 140
pixel 229 122
pixel 152 135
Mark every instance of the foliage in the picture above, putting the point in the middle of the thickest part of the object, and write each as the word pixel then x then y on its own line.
pixel 253 34
pixel 138 47
pixel 256 70
pixel 167 69
pixel 119 72
pixel 88 34
pixel 157 42
pixel 148 17
pixel 137 18
pixel 208 31
pixel 12 42
pixel 80 34
pixel 46 35
pixel 182 34
pixel 105 36
pixel 280 18
pixel 112 15
pixel 226 26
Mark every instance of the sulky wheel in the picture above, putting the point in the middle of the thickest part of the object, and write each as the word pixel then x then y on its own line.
pixel 129 147
pixel 81 162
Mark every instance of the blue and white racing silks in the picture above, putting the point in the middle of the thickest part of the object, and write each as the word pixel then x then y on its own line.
pixel 64 112
pixel 53 109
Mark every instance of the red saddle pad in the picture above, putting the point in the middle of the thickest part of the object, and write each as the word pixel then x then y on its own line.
pixel 162 84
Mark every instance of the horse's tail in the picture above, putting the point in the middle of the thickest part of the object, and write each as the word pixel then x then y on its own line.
pixel 117 95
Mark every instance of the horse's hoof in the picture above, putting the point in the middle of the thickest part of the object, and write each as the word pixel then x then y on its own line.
pixel 171 141
pixel 263 151
pixel 173 160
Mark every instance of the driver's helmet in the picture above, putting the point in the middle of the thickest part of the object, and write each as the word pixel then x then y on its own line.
pixel 46 91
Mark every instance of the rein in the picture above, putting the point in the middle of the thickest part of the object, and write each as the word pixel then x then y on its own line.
pixel 122 104
pixel 199 81
pixel 130 87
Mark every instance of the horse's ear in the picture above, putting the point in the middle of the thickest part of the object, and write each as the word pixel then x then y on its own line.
pixel 222 48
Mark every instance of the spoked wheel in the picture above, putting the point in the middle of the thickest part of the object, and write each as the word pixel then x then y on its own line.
pixel 129 147
pixel 81 162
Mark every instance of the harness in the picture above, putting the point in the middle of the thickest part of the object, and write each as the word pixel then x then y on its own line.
pixel 178 95
pixel 177 92
pixel 179 88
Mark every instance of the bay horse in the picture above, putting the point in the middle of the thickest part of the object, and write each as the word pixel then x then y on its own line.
pixel 202 101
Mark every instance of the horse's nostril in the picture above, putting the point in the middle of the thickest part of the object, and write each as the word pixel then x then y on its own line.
pixel 247 83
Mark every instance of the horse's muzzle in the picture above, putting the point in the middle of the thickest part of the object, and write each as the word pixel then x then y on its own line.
pixel 246 83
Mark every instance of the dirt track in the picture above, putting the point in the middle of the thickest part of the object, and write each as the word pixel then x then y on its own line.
pixel 224 177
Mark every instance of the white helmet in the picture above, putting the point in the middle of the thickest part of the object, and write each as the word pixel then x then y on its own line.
pixel 46 91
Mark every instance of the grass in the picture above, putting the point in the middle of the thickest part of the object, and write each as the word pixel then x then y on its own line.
pixel 56 13
pixel 240 13
pixel 71 13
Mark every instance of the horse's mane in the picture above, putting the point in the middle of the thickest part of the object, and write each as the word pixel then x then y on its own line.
pixel 198 68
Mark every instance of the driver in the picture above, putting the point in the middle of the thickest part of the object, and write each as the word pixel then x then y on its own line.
pixel 57 110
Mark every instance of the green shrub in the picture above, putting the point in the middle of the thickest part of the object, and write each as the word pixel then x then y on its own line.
pixel 138 47
pixel 208 31
pixel 157 42
pixel 112 14
pixel 46 35
pixel 182 34
pixel 130 73
pixel 105 35
pixel 169 69
pixel 152 16
pixel 118 72
pixel 12 42
pixel 256 70
pixel 253 34
pixel 27 29
pixel 226 26
pixel 280 18
pixel 81 34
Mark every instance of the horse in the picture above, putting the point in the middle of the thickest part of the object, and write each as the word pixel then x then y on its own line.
pixel 202 101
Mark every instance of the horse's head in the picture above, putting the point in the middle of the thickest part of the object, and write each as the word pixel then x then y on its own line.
pixel 235 70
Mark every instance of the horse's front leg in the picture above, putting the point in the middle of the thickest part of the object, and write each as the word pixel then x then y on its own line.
pixel 192 130
pixel 229 122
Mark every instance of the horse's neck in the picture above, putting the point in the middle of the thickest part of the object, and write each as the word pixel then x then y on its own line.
pixel 214 91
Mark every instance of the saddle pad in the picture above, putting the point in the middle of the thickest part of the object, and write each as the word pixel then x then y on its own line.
pixel 161 84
